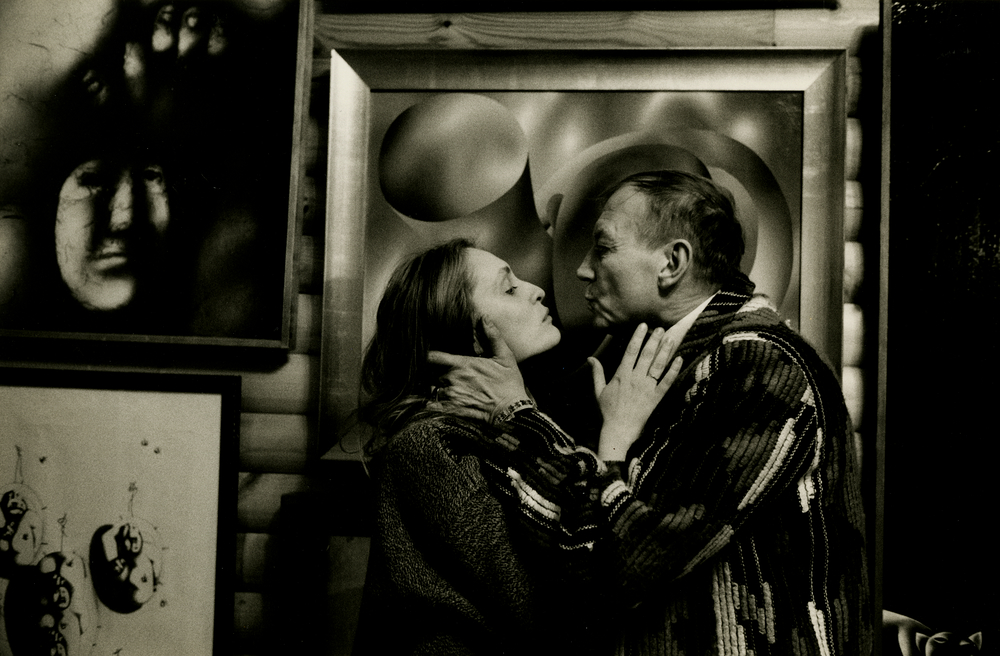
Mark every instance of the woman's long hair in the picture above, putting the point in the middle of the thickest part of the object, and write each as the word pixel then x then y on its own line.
pixel 426 306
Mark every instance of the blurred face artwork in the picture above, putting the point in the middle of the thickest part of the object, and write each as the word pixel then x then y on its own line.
pixel 111 217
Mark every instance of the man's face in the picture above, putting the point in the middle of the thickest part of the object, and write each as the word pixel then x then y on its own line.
pixel 620 271
pixel 108 218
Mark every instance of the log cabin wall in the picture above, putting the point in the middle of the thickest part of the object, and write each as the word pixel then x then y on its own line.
pixel 302 538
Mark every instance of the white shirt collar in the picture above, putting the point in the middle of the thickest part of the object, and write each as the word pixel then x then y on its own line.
pixel 680 329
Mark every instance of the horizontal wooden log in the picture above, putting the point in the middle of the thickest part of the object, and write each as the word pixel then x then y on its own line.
pixel 290 388
pixel 259 499
pixel 854 335
pixel 846 27
pixel 854 270
pixel 853 85
pixel 518 30
pixel 853 210
pixel 276 443
pixel 255 554
pixel 853 381
pixel 852 149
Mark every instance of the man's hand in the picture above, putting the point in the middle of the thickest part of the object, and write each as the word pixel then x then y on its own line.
pixel 479 387
pixel 628 399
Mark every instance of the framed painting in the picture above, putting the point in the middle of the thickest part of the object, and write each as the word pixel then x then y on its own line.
pixel 509 148
pixel 117 498
pixel 150 193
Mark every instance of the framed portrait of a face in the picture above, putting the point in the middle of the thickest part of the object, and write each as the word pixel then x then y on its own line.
pixel 153 195
pixel 513 149
pixel 117 499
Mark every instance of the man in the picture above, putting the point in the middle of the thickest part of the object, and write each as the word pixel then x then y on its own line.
pixel 734 523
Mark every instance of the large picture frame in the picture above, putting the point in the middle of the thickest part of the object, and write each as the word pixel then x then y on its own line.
pixel 159 200
pixel 770 124
pixel 117 495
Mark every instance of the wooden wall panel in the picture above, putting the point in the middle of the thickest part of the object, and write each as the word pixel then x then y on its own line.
pixel 560 30
pixel 260 496
pixel 275 442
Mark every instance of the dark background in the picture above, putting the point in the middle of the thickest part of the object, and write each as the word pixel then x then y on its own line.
pixel 940 563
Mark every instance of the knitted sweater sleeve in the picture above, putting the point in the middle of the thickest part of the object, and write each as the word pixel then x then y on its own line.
pixel 743 427
pixel 540 469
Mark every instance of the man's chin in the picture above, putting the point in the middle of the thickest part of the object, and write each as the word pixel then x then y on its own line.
pixel 600 322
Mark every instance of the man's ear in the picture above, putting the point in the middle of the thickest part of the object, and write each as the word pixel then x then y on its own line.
pixel 677 258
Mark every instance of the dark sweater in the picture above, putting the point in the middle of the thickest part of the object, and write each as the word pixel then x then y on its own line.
pixel 450 569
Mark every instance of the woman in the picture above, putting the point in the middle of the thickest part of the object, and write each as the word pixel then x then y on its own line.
pixel 466 557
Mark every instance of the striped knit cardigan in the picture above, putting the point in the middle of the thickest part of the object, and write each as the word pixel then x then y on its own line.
pixel 735 525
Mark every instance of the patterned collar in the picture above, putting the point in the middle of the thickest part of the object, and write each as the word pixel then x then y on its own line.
pixel 719 312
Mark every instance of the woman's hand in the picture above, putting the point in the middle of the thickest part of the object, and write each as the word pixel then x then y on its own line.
pixel 627 400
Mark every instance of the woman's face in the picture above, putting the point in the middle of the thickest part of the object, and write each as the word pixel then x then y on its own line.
pixel 108 216
pixel 514 306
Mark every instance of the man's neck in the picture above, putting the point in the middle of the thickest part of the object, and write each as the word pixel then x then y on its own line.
pixel 682 301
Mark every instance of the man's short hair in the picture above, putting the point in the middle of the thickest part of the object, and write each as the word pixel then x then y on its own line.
pixel 687 206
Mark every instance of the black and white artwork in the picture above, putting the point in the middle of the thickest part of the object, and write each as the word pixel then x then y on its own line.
pixel 110 489
pixel 145 167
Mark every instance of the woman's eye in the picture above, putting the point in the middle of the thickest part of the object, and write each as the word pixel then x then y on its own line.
pixel 512 289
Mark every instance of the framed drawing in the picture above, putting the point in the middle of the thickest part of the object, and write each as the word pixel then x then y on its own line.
pixel 510 148
pixel 117 497
pixel 158 199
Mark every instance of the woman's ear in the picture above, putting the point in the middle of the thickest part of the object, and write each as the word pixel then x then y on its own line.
pixel 677 257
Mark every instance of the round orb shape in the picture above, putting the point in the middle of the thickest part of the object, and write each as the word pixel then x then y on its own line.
pixel 451 155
